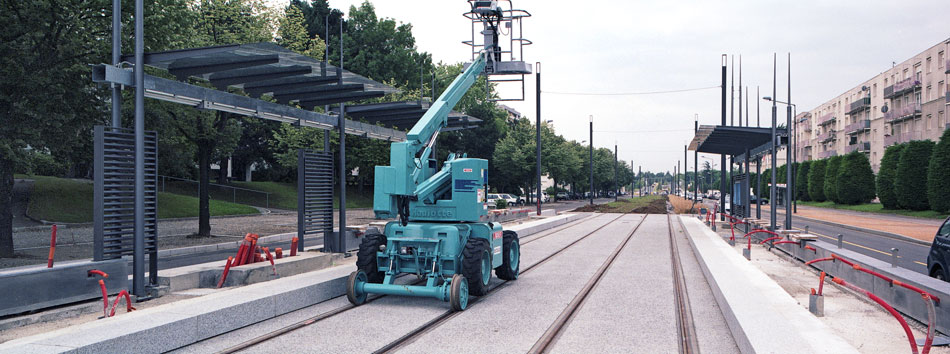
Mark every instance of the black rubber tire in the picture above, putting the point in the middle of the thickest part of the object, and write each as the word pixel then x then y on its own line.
pixel 455 293
pixel 475 250
pixel 366 256
pixel 504 271
pixel 351 295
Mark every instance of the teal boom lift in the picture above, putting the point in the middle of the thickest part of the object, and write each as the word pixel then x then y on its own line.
pixel 441 233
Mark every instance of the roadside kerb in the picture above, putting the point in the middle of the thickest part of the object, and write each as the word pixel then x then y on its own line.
pixel 762 317
pixel 167 327
pixel 865 230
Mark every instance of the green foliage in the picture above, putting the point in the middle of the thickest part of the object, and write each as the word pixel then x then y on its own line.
pixel 910 184
pixel 886 176
pixel 501 204
pixel 938 175
pixel 219 22
pixel 801 180
pixel 831 178
pixel 855 180
pixel 292 34
pixel 764 183
pixel 816 180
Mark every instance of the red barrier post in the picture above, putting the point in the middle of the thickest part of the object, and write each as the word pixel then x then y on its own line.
pixel 293 247
pixel 279 252
pixel 886 306
pixel 224 275
pixel 128 303
pixel 821 283
pixel 271 259
pixel 52 248
pixel 105 298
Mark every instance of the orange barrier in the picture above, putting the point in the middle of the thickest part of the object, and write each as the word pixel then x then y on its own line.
pixel 128 303
pixel 886 306
pixel 52 248
pixel 293 247
pixel 105 298
pixel 224 275
pixel 279 252
pixel 271 259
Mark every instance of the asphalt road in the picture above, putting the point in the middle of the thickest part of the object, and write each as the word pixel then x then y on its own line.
pixel 910 255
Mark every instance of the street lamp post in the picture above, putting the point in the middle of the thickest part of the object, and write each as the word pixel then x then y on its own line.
pixel 791 173
pixel 591 149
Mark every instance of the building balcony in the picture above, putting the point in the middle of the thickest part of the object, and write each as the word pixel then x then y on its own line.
pixel 946 97
pixel 827 154
pixel 906 112
pixel 901 138
pixel 807 127
pixel 827 136
pixel 860 105
pixel 826 119
pixel 863 146
pixel 947 66
pixel 906 85
pixel 858 127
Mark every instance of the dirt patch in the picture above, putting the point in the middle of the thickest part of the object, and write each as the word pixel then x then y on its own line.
pixel 640 205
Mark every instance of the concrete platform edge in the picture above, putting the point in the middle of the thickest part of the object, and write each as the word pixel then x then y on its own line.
pixel 192 320
pixel 754 306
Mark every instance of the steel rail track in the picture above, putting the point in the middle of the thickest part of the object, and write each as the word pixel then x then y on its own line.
pixel 684 320
pixel 325 315
pixel 550 336
pixel 448 315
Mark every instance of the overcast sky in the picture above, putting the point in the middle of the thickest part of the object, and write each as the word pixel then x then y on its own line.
pixel 598 46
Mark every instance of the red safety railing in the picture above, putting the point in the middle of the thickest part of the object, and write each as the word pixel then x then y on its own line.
pixel 224 275
pixel 889 308
pixel 128 303
pixel 52 248
pixel 876 274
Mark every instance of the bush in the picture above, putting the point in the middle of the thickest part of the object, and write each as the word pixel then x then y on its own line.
pixel 764 183
pixel 831 178
pixel 886 176
pixel 816 180
pixel 938 175
pixel 911 182
pixel 855 180
pixel 801 181
pixel 501 204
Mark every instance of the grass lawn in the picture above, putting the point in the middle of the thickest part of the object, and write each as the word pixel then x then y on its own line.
pixel 284 195
pixel 627 205
pixel 70 201
pixel 877 208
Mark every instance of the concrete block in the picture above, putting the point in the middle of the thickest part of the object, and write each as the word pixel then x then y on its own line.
pixel 36 287
pixel 816 305
pixel 262 271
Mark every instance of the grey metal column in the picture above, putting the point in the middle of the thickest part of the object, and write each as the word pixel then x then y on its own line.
pixel 138 260
pixel 639 175
pixel 537 142
pixel 591 149
pixel 616 180
pixel 722 169
pixel 758 188
pixel 748 184
pixel 772 194
pixel 341 236
pixel 685 170
pixel 740 93
pixel 789 183
pixel 696 164
pixel 116 59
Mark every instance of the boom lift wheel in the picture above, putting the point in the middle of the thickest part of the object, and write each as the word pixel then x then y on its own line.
pixel 476 265
pixel 366 256
pixel 356 297
pixel 458 293
pixel 511 256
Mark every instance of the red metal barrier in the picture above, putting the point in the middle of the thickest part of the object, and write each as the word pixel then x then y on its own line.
pixel 773 238
pixel 784 242
pixel 811 248
pixel 886 306
pixel 271 259
pixel 293 247
pixel 279 252
pixel 128 303
pixel 52 248
pixel 105 298
pixel 224 275
pixel 821 283
pixel 97 272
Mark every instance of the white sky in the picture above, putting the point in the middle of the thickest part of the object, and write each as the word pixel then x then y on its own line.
pixel 606 46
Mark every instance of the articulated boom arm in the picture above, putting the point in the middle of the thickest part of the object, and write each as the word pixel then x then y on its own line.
pixel 411 165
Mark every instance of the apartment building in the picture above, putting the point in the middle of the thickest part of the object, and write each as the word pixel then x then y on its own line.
pixel 906 102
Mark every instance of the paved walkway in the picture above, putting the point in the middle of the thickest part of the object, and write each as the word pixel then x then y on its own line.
pixel 918 228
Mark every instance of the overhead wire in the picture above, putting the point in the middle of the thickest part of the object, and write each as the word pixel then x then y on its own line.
pixel 630 93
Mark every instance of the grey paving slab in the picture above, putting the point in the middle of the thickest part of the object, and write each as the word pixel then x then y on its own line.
pixel 513 318
pixel 632 308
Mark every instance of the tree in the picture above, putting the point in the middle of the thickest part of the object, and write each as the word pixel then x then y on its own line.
pixel 816 180
pixel 292 34
pixel 938 175
pixel 801 181
pixel 887 174
pixel 381 49
pixel 765 183
pixel 831 178
pixel 910 184
pixel 855 180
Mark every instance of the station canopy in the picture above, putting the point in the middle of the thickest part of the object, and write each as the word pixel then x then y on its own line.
pixel 733 140
pixel 291 79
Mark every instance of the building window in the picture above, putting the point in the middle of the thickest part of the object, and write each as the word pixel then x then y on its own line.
pixel 940 59
pixel 928 65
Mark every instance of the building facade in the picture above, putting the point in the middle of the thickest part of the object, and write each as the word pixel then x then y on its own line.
pixel 906 102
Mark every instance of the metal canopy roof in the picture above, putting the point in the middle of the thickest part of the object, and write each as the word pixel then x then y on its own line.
pixel 267 68
pixel 730 140
pixel 404 115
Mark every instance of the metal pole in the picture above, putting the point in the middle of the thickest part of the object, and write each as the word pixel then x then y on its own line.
pixel 685 170
pixel 758 107
pixel 640 175
pixel 616 179
pixel 722 170
pixel 789 183
pixel 748 183
pixel 696 163
pixel 758 188
pixel 591 148
pixel 795 160
pixel 772 194
pixel 732 94
pixel 138 260
pixel 740 91
pixel 116 58
pixel 537 143
pixel 632 179
pixel 341 120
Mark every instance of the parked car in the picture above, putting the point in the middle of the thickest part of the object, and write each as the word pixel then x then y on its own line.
pixel 563 196
pixel 491 199
pixel 512 200
pixel 939 257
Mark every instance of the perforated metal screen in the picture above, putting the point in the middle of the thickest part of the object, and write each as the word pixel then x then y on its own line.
pixel 314 196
